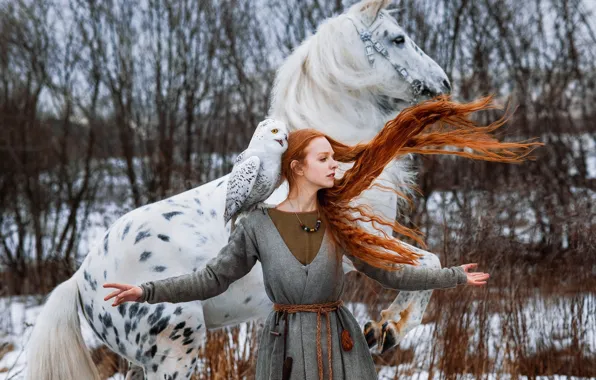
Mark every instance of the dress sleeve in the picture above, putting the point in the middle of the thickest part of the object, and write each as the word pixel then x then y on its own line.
pixel 234 261
pixel 410 277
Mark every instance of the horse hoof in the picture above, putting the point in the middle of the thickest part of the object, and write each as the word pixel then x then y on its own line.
pixel 389 334
pixel 371 333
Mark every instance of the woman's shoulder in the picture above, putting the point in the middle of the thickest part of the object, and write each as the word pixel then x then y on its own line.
pixel 253 217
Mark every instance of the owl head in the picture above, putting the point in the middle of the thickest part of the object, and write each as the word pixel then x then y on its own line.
pixel 271 135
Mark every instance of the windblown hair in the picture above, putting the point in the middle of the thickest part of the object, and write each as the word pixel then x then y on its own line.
pixel 425 129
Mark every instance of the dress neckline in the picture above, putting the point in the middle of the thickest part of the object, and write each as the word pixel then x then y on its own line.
pixel 295 212
pixel 287 249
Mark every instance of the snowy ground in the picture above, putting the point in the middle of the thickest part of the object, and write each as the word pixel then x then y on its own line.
pixel 19 314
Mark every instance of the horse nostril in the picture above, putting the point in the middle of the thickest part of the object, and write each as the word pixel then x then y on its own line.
pixel 447 85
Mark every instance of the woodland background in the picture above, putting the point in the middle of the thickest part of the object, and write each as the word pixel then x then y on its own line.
pixel 109 105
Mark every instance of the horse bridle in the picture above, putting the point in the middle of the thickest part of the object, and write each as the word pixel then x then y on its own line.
pixel 371 45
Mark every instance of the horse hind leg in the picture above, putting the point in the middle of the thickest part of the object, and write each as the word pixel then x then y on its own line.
pixel 135 373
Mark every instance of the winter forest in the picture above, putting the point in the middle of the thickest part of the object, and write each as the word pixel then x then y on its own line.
pixel 106 106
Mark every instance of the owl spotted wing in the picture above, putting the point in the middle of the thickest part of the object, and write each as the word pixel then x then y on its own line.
pixel 240 184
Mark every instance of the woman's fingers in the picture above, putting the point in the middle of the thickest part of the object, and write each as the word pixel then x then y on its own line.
pixel 469 266
pixel 114 293
pixel 116 285
pixel 128 295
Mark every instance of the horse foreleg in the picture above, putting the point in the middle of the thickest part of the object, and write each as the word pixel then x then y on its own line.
pixel 403 315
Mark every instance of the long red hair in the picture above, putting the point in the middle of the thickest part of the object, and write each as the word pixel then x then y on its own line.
pixel 424 128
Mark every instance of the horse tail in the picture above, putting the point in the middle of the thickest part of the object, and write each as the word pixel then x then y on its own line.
pixel 56 349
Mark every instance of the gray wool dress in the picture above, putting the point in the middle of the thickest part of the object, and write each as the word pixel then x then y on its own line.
pixel 288 281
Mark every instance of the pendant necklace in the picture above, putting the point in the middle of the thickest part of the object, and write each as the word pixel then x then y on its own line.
pixel 305 227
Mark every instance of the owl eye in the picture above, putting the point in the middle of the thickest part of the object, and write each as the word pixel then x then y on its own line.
pixel 275 130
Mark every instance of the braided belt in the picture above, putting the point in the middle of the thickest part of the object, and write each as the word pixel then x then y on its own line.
pixel 319 308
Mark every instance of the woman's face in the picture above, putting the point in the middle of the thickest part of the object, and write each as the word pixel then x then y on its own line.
pixel 319 165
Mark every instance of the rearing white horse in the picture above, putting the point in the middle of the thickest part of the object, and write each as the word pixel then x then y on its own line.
pixel 355 73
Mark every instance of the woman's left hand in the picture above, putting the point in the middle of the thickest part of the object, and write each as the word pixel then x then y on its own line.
pixel 475 278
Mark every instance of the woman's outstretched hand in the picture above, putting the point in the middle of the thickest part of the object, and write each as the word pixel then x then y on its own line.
pixel 475 278
pixel 125 293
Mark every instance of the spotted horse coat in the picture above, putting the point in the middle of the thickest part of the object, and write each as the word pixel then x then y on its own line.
pixel 163 239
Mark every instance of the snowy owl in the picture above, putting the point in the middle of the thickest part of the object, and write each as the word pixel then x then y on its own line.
pixel 257 170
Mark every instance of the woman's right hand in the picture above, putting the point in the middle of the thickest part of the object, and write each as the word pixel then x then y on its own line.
pixel 125 293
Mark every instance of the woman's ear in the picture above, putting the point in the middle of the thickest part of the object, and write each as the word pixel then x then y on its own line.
pixel 296 167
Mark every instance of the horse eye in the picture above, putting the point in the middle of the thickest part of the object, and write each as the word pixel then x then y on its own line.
pixel 399 40
pixel 275 130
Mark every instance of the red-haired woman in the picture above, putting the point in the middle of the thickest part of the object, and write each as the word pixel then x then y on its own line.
pixel 301 241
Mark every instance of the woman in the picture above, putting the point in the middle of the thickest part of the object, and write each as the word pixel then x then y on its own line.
pixel 301 241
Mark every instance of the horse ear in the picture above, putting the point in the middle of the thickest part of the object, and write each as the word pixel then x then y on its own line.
pixel 369 9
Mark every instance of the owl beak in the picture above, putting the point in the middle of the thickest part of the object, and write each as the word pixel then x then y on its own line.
pixel 280 142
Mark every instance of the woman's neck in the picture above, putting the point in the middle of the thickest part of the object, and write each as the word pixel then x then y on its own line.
pixel 299 203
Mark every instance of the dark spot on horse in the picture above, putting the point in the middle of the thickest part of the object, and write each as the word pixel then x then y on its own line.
pixel 174 336
pixel 145 255
pixel 155 367
pixel 170 215
pixel 159 326
pixel 159 268
pixel 180 325
pixel 132 311
pixel 219 184
pixel 178 311
pixel 193 361
pixel 89 312
pixel 127 329
pixel 188 351
pixel 164 237
pixel 247 300
pixel 107 320
pixel 385 33
pixel 199 326
pixel 187 341
pixel 187 332
pixel 90 280
pixel 152 351
pixel 142 312
pixel 175 375
pixel 122 309
pixel 105 243
pixel 126 229
pixel 156 315
pixel 142 235
pixel 116 332
pixel 137 338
